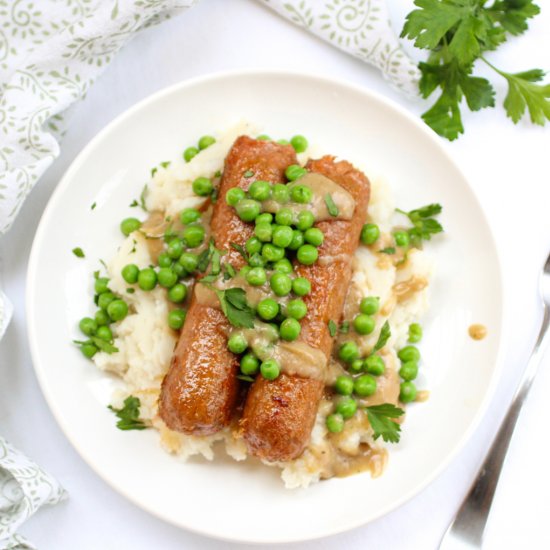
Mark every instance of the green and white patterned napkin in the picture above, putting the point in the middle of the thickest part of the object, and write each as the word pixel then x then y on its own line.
pixel 51 52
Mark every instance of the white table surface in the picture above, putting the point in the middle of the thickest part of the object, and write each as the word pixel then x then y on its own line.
pixel 508 168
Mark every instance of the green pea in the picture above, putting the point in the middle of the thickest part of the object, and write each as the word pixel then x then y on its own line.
pixel 272 253
pixel 130 273
pixel 270 369
pixel 263 137
pixel 248 209
pixel 105 299
pixel 88 326
pixel 296 309
pixel 202 186
pixel 129 225
pixel 189 215
pixel 290 329
pixel 176 318
pixel 401 238
pixel 166 277
pixel 344 385
pixel 280 283
pixel 189 261
pixel 307 254
pixel 347 407
pixel 348 352
pixel 104 333
pixel 294 171
pixel 244 271
pixel 299 143
pixel 88 350
pixel 164 260
pixel 415 333
pixel 174 249
pixel 297 240
pixel 260 190
pixel 253 245
pixel 256 276
pixel 369 305
pixel 301 194
pixel 363 324
pixel 179 270
pixel 189 153
pixel 284 216
pixel 101 285
pixel 284 266
pixel 206 141
pixel 268 309
pixel 356 366
pixel 282 236
pixel 374 364
pixel 101 317
pixel 314 236
pixel 263 231
pixel 177 293
pixel 234 195
pixel 306 219
pixel 407 392
pixel 249 364
pixel 409 353
pixel 237 343
pixel 265 217
pixel 280 194
pixel 370 233
pixel 117 310
pixel 335 423
pixel 147 279
pixel 301 286
pixel 256 260
pixel 193 235
pixel 365 385
pixel 409 371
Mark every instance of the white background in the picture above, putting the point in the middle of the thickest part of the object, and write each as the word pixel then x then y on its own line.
pixel 508 167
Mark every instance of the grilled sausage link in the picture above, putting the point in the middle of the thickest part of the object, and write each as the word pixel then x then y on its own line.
pixel 199 391
pixel 279 415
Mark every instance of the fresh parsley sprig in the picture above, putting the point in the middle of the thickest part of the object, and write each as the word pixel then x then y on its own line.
pixel 458 33
pixel 380 418
pixel 424 223
pixel 129 415
pixel 235 307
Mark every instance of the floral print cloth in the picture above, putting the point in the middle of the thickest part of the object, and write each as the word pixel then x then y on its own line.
pixel 51 51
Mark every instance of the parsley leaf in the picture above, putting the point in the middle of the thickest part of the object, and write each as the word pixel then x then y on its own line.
pixel 129 415
pixel 204 259
pixel 236 308
pixel 78 252
pixel 248 174
pixel 245 377
pixel 424 225
pixel 459 32
pixel 344 327
pixel 388 250
pixel 142 198
pixel 228 272
pixel 332 328
pixel 380 419
pixel 240 250
pixel 331 206
pixel 93 206
pixel 165 164
pixel 383 337
pixel 103 345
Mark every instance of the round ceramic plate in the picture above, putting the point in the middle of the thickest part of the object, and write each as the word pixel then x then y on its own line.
pixel 223 498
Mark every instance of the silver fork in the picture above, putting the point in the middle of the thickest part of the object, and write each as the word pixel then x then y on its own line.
pixel 466 530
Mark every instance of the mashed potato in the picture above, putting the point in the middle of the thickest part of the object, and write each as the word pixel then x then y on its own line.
pixel 145 342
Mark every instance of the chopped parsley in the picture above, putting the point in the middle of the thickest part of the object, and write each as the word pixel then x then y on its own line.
pixel 228 272
pixel 165 164
pixel 248 174
pixel 332 328
pixel 93 206
pixel 78 252
pixel 240 250
pixel 142 198
pixel 388 250
pixel 134 203
pixel 245 377
pixel 154 171
pixel 236 308
pixel 384 336
pixel 129 415
pixel 344 327
pixel 380 419
pixel 331 206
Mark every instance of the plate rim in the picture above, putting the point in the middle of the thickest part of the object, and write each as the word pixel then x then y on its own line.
pixel 312 77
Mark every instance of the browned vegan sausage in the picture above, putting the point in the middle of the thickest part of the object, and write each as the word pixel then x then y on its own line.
pixel 279 415
pixel 199 391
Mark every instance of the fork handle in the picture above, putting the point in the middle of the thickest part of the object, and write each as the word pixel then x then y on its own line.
pixel 467 528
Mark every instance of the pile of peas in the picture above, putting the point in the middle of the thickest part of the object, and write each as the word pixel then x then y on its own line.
pixel 409 357
pixel 298 142
pixel 111 309
pixel 178 261
pixel 276 240
pixel 363 370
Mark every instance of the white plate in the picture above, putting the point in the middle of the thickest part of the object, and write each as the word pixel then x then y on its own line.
pixel 232 500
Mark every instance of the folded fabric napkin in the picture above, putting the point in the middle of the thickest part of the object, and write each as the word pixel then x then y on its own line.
pixel 50 54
